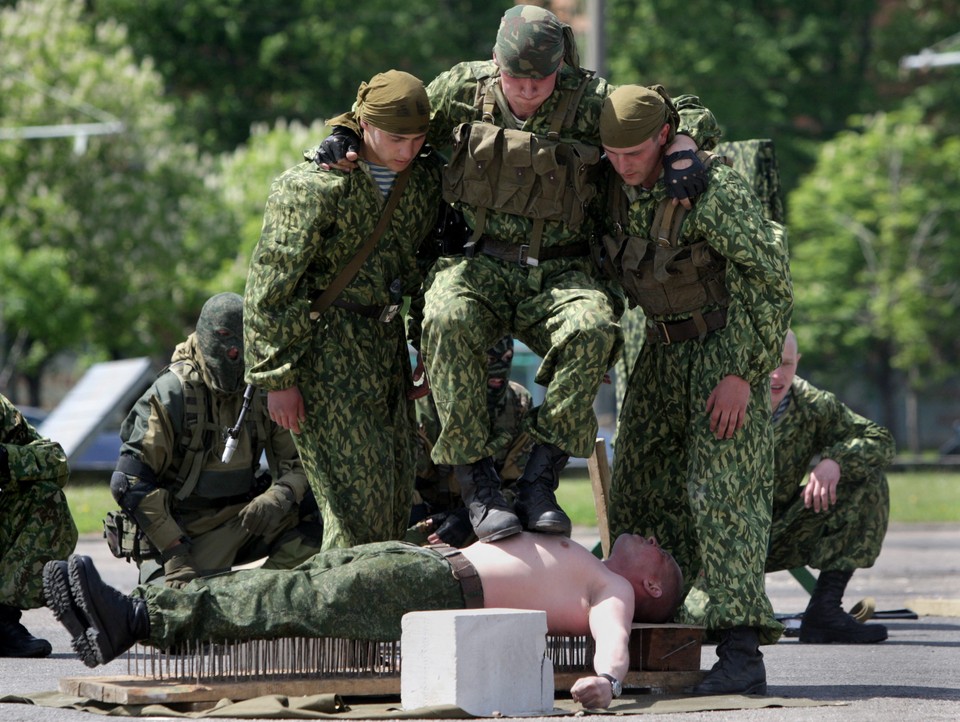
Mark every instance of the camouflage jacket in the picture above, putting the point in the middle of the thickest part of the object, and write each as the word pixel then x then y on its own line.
pixel 729 217
pixel 315 222
pixel 453 101
pixel 26 457
pixel 818 425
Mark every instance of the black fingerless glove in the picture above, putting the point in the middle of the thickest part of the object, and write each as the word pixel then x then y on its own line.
pixel 456 528
pixel 684 182
pixel 335 146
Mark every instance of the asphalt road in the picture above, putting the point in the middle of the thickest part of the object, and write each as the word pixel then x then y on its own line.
pixel 914 675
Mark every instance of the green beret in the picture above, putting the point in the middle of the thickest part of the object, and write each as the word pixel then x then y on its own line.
pixel 395 102
pixel 631 114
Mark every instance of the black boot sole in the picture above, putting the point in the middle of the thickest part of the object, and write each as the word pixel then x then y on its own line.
pixel 56 590
pixel 93 647
pixel 834 636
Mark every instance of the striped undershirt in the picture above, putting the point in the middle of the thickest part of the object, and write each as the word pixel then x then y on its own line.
pixel 383 177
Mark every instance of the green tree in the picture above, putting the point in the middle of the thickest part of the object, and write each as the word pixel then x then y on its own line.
pixel 242 181
pixel 233 63
pixel 781 69
pixel 111 228
pixel 875 257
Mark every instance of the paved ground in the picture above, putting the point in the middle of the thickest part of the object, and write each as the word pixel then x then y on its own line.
pixel 912 676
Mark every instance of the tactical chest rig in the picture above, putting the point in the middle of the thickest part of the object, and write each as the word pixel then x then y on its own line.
pixel 518 172
pixel 664 275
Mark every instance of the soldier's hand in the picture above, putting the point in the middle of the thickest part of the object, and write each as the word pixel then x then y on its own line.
pixel 265 512
pixel 820 491
pixel 685 175
pixel 341 145
pixel 286 408
pixel 454 528
pixel 727 406
pixel 178 566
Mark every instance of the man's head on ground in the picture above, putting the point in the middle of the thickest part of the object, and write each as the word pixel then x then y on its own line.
pixel 220 340
pixel 782 376
pixel 394 112
pixel 652 572
pixel 636 124
pixel 529 50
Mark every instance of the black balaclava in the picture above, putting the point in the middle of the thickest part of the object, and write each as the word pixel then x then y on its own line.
pixel 220 340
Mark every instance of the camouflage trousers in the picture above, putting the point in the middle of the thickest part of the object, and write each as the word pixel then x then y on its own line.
pixel 218 542
pixel 559 309
pixel 633 322
pixel 358 444
pixel 35 527
pixel 357 593
pixel 846 537
pixel 707 501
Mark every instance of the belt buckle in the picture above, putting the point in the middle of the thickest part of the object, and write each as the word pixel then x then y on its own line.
pixel 389 313
pixel 661 327
pixel 524 258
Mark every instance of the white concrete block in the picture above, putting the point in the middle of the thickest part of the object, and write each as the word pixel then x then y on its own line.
pixel 484 661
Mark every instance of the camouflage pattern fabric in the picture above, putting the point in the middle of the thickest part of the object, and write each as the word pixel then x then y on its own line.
pixel 633 323
pixel 437 485
pixel 756 161
pixel 337 593
pixel 35 521
pixel 358 441
pixel 709 501
pixel 153 433
pixel 849 534
pixel 559 309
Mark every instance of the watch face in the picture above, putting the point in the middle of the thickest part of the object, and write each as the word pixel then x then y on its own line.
pixel 615 687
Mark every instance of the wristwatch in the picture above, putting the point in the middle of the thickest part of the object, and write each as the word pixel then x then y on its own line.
pixel 615 687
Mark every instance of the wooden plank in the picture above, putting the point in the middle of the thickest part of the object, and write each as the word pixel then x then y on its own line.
pixel 653 681
pixel 144 690
pixel 599 468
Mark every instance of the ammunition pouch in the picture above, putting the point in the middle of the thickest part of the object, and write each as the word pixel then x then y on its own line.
pixel 518 172
pixel 126 540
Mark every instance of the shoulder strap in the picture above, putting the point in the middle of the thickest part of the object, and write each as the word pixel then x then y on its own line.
pixel 196 413
pixel 322 303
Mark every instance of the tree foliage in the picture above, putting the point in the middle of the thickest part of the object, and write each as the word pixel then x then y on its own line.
pixel 233 63
pixel 779 69
pixel 875 251
pixel 114 220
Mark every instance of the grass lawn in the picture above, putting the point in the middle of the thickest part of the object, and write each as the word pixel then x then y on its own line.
pixel 918 496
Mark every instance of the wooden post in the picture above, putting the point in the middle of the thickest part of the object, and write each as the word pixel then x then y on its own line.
pixel 599 467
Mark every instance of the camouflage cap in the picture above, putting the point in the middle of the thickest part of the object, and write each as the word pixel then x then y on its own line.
pixel 394 101
pixel 632 114
pixel 530 42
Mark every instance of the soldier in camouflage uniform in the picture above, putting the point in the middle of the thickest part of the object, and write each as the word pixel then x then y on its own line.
pixel 203 514
pixel 524 151
pixel 35 525
pixel 756 161
pixel 340 380
pixel 837 521
pixel 694 456
pixel 440 511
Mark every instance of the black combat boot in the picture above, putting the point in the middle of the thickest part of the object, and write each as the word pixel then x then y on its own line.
pixel 56 591
pixel 15 640
pixel 536 503
pixel 491 515
pixel 824 620
pixel 114 621
pixel 739 669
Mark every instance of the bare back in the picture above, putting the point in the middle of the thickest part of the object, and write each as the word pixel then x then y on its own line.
pixel 548 573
